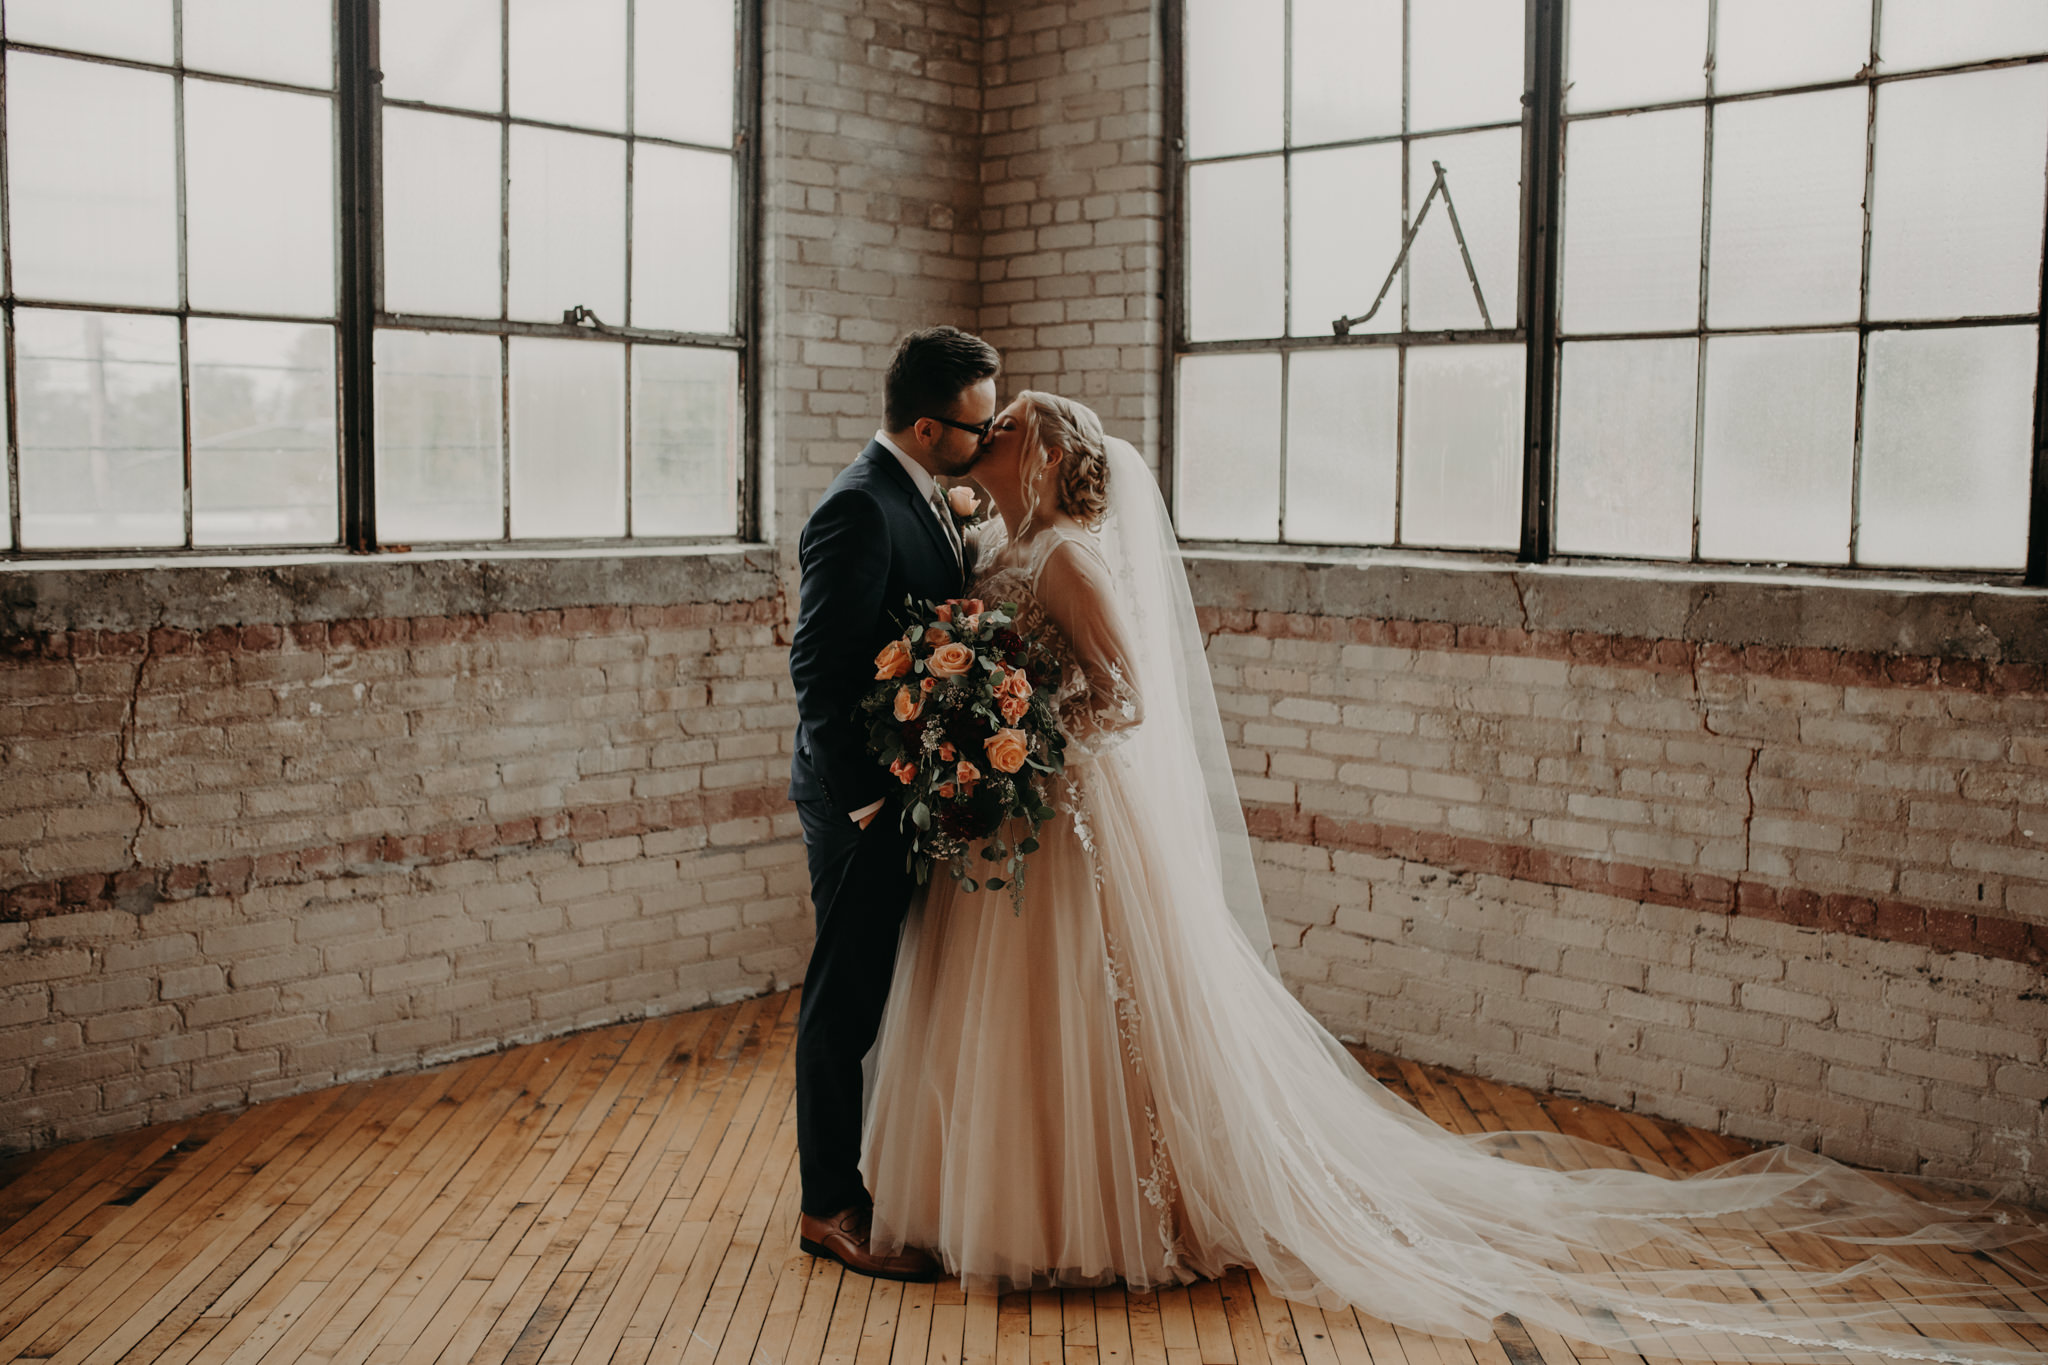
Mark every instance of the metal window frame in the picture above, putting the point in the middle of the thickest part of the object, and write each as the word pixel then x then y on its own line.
pixel 357 110
pixel 1538 289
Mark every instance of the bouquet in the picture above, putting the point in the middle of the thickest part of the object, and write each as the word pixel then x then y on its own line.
pixel 961 714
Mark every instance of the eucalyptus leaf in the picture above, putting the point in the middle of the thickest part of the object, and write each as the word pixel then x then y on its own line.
pixel 995 883
pixel 921 815
pixel 1027 846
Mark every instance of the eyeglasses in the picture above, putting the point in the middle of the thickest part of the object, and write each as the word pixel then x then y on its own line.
pixel 978 429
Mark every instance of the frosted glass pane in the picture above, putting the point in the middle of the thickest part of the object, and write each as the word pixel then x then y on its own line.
pixel 140 29
pixel 1461 475
pixel 682 239
pixel 1786 242
pixel 1625 447
pixel 1632 222
pixel 568 62
pixel 441 215
pixel 1769 45
pixel 1776 453
pixel 92 182
pixel 1948 426
pixel 686 462
pixel 440 453
pixel 1227 447
pixel 685 54
pixel 1233 76
pixel 102 437
pixel 1924 33
pixel 1343 411
pixel 259 200
pixel 1347 232
pixel 1347 69
pixel 1464 63
pixel 1234 255
pixel 1956 218
pixel 263 444
pixel 568 236
pixel 272 40
pixel 442 52
pixel 6 501
pixel 1624 53
pixel 1484 171
pixel 568 438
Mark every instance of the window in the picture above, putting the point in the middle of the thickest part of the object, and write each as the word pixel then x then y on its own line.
pixel 1789 311
pixel 264 289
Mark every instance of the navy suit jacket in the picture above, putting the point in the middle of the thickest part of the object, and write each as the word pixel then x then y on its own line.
pixel 869 543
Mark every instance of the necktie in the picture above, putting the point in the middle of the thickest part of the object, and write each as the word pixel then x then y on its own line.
pixel 945 516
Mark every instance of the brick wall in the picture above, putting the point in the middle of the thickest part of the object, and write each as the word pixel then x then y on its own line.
pixel 1792 893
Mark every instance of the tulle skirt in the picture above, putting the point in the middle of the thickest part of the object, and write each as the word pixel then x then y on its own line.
pixel 1107 1083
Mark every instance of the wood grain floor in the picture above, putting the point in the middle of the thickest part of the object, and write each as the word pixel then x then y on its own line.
pixel 626 1195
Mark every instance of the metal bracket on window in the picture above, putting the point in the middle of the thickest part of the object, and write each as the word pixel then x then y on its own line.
pixel 1441 185
pixel 579 316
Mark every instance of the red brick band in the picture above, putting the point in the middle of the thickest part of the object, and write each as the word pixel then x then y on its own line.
pixel 1841 667
pixel 1890 921
pixel 138 889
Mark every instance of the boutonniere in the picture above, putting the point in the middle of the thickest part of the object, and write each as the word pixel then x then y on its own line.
pixel 965 506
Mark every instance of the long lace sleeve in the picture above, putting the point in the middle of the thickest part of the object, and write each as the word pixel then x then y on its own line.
pixel 1100 702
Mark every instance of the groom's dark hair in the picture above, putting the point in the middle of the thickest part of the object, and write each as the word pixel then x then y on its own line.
pixel 930 370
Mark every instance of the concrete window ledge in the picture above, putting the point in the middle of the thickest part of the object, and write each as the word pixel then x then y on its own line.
pixel 200 593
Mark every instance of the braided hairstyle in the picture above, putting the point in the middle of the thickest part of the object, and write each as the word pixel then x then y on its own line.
pixel 1055 423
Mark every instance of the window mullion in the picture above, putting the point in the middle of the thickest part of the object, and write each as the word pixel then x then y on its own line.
pixel 2037 508
pixel 1542 168
pixel 356 116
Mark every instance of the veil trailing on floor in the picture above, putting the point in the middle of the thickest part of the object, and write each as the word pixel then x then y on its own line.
pixel 1289 1156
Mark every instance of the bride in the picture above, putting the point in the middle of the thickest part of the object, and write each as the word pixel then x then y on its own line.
pixel 1110 1082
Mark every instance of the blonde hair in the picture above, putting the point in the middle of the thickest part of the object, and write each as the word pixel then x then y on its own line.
pixel 1055 423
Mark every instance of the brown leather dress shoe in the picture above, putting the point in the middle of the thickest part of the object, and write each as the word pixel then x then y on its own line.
pixel 844 1238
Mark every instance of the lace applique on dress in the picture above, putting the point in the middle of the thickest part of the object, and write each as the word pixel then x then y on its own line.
pixel 1158 1185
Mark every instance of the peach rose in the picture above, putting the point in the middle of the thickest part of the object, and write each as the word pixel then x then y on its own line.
pixel 935 635
pixel 949 661
pixel 962 501
pixel 944 611
pixel 970 606
pixel 966 775
pixel 908 704
pixel 893 661
pixel 1006 750
pixel 927 684
pixel 946 753
pixel 904 770
pixel 946 790
pixel 1014 684
pixel 1013 708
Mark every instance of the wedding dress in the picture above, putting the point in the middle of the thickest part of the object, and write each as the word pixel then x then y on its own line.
pixel 1111 1082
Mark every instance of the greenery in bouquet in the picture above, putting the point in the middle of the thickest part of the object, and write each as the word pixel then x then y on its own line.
pixel 961 714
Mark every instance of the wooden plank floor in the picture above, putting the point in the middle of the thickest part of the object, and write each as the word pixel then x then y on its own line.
pixel 626 1195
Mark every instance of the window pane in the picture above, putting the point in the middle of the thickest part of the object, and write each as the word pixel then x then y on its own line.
pixel 1465 63
pixel 1234 76
pixel 1342 432
pixel 92 182
pixel 682 239
pixel 1775 463
pixel 568 225
pixel 1625 447
pixel 568 448
pixel 442 52
pixel 263 461
pixel 1769 45
pixel 273 40
pixel 1947 448
pixel 685 54
pixel 686 469
pixel 440 470
pixel 259 200
pixel 102 437
pixel 140 29
pixel 1484 172
pixel 1461 474
pixel 1347 69
pixel 1956 219
pixel 1347 231
pixel 1786 241
pixel 441 215
pixel 1632 222
pixel 1923 33
pixel 1227 478
pixel 569 62
pixel 1234 254
pixel 1624 53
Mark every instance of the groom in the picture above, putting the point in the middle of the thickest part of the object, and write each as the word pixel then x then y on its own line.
pixel 881 533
